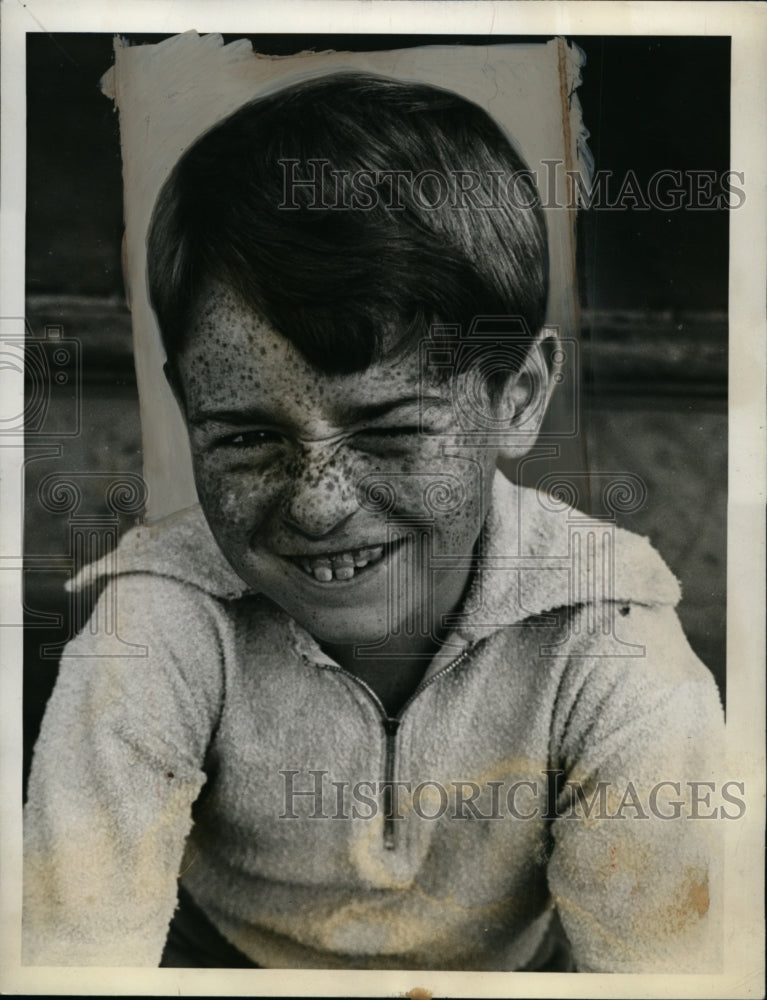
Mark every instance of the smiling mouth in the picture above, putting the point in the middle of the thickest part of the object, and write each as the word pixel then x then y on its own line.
pixel 332 566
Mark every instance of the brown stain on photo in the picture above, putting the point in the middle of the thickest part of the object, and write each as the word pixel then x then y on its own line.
pixel 690 903
pixel 695 898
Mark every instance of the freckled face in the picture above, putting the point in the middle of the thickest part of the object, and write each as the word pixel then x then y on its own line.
pixel 334 495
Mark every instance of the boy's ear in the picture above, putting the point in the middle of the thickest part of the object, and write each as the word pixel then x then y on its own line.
pixel 525 397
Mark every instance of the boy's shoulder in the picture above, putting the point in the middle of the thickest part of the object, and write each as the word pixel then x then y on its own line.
pixel 180 547
pixel 539 555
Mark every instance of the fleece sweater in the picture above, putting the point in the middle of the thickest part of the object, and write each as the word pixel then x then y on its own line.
pixel 196 733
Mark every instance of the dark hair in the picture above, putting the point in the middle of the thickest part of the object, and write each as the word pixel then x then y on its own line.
pixel 349 280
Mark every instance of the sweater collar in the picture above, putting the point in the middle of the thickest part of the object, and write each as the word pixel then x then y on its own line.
pixel 538 555
pixel 535 555
pixel 180 547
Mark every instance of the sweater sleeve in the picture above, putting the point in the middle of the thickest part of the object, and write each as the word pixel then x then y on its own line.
pixel 634 870
pixel 116 768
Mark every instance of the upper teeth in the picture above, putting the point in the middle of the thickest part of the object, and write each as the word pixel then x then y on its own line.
pixel 340 565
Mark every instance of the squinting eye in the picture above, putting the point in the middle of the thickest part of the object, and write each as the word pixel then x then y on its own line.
pixel 397 438
pixel 248 439
pixel 392 432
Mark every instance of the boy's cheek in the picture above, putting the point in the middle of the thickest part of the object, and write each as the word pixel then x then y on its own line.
pixel 448 484
pixel 234 496
pixel 457 481
pixel 450 500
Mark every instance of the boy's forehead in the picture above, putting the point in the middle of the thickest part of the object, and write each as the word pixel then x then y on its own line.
pixel 232 354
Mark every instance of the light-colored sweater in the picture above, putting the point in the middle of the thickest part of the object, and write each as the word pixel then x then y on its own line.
pixel 185 762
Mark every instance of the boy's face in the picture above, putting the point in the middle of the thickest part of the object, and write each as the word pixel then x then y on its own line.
pixel 323 491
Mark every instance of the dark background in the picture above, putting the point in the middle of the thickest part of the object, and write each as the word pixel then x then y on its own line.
pixel 653 287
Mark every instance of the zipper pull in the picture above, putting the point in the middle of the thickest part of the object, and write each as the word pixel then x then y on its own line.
pixel 391 725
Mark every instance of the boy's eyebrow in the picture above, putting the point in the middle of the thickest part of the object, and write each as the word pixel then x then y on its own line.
pixel 352 414
pixel 236 418
pixel 371 411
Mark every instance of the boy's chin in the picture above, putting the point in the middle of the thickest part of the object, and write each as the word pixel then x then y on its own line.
pixel 362 623
pixel 338 627
pixel 362 610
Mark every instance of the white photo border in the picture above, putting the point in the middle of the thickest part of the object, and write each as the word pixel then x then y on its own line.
pixel 746 24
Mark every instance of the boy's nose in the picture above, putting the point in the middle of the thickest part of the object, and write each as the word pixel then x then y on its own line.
pixel 322 498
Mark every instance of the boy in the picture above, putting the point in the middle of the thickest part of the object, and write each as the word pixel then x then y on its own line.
pixel 391 704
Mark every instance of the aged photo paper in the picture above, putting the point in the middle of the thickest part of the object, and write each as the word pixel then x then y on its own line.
pixel 644 130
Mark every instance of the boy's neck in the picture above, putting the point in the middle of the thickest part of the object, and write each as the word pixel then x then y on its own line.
pixel 393 677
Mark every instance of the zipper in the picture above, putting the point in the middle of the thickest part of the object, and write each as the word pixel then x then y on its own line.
pixel 391 724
